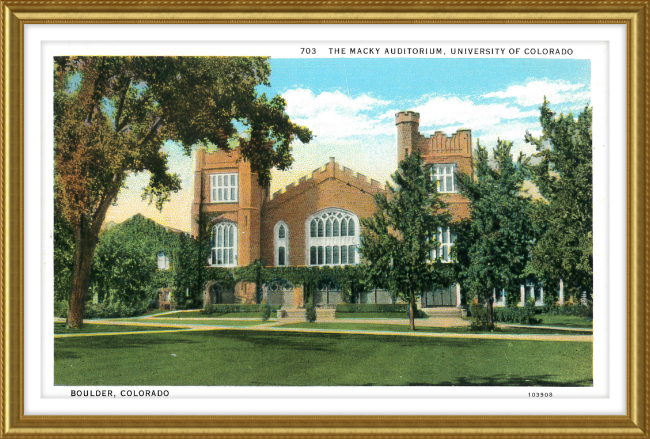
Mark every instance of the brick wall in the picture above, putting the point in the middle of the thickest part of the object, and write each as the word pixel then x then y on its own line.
pixel 331 186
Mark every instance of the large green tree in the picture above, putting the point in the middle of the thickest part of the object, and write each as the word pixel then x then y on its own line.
pixel 113 114
pixel 492 247
pixel 398 241
pixel 125 267
pixel 564 178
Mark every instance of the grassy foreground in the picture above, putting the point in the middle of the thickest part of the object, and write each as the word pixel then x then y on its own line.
pixel 429 329
pixel 89 328
pixel 258 358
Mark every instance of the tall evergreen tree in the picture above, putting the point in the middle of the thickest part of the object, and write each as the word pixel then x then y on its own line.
pixel 565 179
pixel 399 239
pixel 492 247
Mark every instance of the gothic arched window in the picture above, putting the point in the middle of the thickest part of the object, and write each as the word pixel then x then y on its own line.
pixel 224 245
pixel 333 238
pixel 281 244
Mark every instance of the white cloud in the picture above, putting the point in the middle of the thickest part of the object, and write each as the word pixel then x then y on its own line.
pixel 443 111
pixel 336 115
pixel 532 93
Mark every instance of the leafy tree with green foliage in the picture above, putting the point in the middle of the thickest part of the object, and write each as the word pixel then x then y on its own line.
pixel 188 269
pixel 397 242
pixel 125 269
pixel 492 247
pixel 63 257
pixel 565 179
pixel 112 114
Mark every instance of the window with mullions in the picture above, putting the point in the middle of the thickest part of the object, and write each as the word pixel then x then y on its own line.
pixel 224 245
pixel 224 188
pixel 445 174
pixel 445 238
pixel 333 238
pixel 281 233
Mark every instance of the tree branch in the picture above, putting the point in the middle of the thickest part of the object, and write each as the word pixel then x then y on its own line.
pixel 120 125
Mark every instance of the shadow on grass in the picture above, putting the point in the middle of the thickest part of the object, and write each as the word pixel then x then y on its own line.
pixel 565 325
pixel 309 341
pixel 509 380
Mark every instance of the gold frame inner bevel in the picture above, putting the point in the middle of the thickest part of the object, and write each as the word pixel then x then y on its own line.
pixel 15 14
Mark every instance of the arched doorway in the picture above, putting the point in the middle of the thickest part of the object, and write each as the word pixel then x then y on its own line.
pixel 279 292
pixel 327 293
pixel 215 293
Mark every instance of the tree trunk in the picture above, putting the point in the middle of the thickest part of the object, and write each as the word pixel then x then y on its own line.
pixel 83 257
pixel 490 315
pixel 86 239
pixel 412 313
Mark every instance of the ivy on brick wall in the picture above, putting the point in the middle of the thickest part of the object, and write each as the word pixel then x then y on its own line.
pixel 352 279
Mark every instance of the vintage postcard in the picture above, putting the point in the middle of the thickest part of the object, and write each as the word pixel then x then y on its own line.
pixel 327 219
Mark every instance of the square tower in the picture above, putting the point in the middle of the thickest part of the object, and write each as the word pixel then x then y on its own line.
pixel 448 155
pixel 229 199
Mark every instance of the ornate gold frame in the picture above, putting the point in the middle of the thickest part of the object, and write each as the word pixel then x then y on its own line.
pixel 15 14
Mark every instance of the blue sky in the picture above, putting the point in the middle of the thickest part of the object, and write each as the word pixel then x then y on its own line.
pixel 350 103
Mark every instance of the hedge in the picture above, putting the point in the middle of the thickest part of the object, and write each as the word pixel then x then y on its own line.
pixel 523 316
pixel 372 307
pixel 100 310
pixel 570 310
pixel 234 308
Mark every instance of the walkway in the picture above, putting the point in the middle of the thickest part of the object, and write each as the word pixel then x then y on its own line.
pixel 273 326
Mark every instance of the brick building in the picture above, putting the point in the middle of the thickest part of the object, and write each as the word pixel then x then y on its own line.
pixel 316 221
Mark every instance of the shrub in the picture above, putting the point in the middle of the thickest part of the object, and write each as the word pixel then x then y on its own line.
pixel 530 302
pixel 372 307
pixel 310 312
pixel 220 308
pixel 103 311
pixel 61 309
pixel 479 316
pixel 266 311
pixel 522 316
pixel 571 310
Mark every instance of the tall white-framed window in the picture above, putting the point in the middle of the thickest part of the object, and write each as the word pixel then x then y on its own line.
pixel 163 261
pixel 445 238
pixel 281 244
pixel 224 188
pixel 332 238
pixel 224 245
pixel 445 174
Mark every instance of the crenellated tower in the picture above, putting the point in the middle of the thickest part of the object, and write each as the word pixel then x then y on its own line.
pixel 448 154
pixel 408 133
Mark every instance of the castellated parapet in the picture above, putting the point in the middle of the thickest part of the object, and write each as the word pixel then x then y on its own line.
pixel 331 170
pixel 438 148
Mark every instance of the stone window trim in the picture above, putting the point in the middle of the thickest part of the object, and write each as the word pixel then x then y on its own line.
pixel 281 244
pixel 223 244
pixel 445 174
pixel 163 261
pixel 332 238
pixel 224 187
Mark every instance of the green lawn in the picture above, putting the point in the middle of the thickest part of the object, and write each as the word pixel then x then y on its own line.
pixel 262 358
pixel 372 315
pixel 206 322
pixel 405 328
pixel 197 314
pixel 565 321
pixel 59 328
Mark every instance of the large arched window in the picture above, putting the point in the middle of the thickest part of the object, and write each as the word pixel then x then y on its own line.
pixel 281 244
pixel 332 238
pixel 224 245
